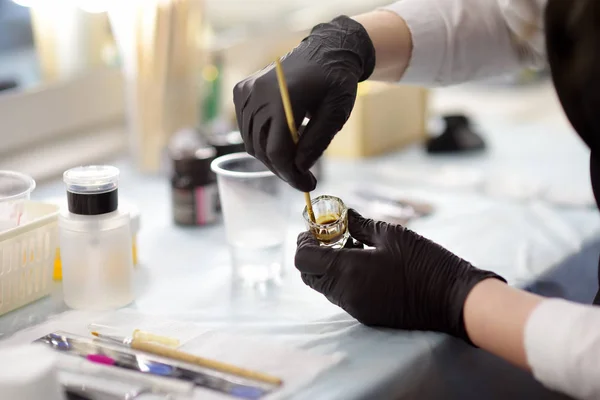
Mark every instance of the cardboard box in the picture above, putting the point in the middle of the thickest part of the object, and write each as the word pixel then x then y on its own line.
pixel 385 118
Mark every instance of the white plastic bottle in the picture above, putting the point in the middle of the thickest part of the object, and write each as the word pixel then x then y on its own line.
pixel 95 241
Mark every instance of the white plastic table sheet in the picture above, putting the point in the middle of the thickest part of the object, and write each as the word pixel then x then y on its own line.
pixel 184 273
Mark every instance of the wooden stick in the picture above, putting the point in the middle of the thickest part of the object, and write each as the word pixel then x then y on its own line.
pixel 178 355
pixel 289 116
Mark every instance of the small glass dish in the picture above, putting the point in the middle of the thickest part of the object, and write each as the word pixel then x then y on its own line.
pixel 331 221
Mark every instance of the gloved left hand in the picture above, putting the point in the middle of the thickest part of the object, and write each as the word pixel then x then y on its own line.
pixel 405 282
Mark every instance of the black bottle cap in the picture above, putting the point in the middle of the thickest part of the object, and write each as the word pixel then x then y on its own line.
pixel 92 190
pixel 93 204
pixel 195 165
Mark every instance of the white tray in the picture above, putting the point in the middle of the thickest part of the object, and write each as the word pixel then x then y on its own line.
pixel 27 255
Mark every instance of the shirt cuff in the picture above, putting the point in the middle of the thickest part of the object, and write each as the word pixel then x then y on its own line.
pixel 428 30
pixel 561 343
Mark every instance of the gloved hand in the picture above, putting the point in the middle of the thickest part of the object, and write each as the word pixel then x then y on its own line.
pixel 406 282
pixel 322 74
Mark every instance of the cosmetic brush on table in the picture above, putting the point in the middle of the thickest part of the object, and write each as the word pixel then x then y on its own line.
pixel 163 351
pixel 140 336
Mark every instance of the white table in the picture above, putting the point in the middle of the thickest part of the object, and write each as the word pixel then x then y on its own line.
pixel 185 273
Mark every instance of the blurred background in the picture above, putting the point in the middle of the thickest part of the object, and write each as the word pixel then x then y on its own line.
pixel 83 80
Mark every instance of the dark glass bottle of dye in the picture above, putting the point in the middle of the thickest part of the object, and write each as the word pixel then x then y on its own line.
pixel 194 187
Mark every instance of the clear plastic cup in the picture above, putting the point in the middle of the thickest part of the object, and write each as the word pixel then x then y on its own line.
pixel 253 204
pixel 15 189
pixel 330 227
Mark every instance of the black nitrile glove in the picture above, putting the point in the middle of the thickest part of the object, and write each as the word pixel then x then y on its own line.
pixel 406 282
pixel 322 75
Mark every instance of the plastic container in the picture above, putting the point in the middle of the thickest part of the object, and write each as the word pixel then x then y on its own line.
pixel 27 257
pixel 135 226
pixel 15 189
pixel 253 203
pixel 95 241
pixel 330 227
pixel 226 143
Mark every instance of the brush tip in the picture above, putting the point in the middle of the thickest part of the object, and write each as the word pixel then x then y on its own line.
pixel 95 334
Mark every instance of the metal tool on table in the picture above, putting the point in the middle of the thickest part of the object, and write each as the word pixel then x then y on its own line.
pixel 379 202
pixel 161 362
pixel 82 386
pixel 129 380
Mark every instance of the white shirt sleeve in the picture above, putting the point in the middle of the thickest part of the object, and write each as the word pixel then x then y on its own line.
pixel 562 343
pixel 459 40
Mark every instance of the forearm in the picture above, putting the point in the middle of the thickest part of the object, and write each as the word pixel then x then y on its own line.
pixel 495 317
pixel 558 341
pixel 392 41
pixel 442 42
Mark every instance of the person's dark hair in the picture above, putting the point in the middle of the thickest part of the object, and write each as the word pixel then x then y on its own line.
pixel 573 47
pixel 572 44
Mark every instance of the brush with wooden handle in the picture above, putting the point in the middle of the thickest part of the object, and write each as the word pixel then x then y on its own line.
pixel 289 116
pixel 167 352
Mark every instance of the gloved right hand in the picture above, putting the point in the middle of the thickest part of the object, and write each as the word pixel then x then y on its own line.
pixel 405 282
pixel 322 75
